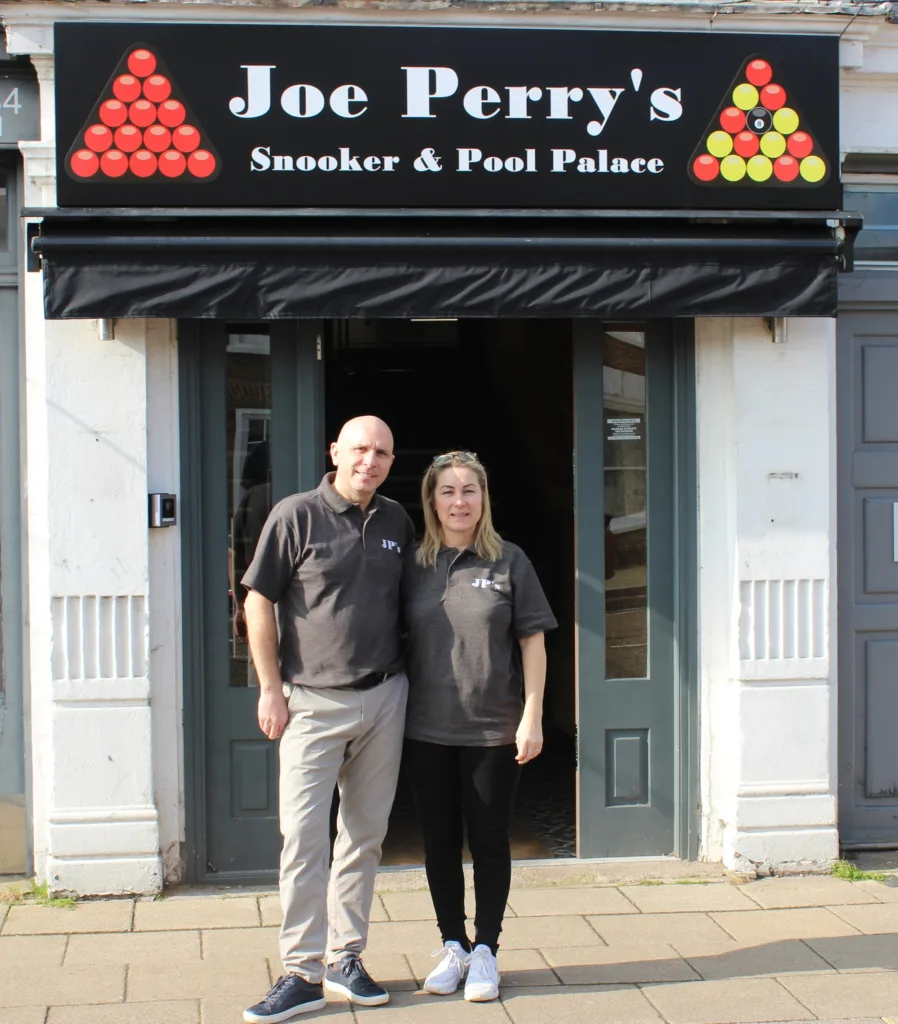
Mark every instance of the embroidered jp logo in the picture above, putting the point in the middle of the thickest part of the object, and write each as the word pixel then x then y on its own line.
pixel 392 545
pixel 486 584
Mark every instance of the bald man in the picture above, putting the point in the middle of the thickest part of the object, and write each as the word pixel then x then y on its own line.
pixel 322 615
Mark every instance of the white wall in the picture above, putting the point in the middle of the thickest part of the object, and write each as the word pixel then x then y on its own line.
pixel 766 440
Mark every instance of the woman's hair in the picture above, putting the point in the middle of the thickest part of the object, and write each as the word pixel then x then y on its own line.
pixel 487 543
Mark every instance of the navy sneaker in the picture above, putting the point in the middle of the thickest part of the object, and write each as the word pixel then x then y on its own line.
pixel 290 996
pixel 349 977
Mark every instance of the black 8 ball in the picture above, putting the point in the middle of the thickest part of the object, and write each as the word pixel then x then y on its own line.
pixel 758 120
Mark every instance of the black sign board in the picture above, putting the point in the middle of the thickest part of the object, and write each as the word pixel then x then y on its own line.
pixel 438 116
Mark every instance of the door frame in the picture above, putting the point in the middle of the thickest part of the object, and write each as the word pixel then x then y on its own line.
pixel 15 761
pixel 590 555
pixel 305 452
pixel 192 334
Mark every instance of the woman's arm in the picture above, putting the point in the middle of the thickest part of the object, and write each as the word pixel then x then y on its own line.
pixel 529 737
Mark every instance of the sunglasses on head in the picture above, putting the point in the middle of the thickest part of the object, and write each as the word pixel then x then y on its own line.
pixel 463 457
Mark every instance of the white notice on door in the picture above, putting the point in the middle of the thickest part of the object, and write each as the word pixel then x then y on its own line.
pixel 623 428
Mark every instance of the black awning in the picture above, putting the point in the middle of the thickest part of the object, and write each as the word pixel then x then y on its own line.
pixel 305 263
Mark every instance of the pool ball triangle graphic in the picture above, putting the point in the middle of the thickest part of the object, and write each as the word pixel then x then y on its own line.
pixel 142 129
pixel 757 138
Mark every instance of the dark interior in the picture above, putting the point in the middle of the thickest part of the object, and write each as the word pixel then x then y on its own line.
pixel 501 388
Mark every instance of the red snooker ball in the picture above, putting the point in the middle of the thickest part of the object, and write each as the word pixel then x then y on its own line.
pixel 157 88
pixel 732 120
pixel 746 144
pixel 142 113
pixel 128 138
pixel 113 113
pixel 800 144
pixel 186 138
pixel 706 167
pixel 85 163
pixel 98 138
pixel 171 113
pixel 141 63
pixel 142 163
pixel 172 163
pixel 113 163
pixel 786 168
pixel 773 97
pixel 126 88
pixel 759 72
pixel 157 138
pixel 201 163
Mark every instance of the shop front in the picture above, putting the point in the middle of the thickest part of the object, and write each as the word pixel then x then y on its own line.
pixel 574 251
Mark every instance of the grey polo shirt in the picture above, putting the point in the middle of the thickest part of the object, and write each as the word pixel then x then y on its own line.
pixel 465 618
pixel 334 573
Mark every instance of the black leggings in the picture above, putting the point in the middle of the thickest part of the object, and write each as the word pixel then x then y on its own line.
pixel 474 786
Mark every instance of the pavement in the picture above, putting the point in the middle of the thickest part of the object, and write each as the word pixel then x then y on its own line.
pixel 692 946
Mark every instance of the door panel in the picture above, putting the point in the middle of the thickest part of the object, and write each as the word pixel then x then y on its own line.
pixel 257 408
pixel 623 385
pixel 867 382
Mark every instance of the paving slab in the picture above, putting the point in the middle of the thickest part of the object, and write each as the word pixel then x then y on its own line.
pixel 206 979
pixel 777 893
pixel 666 899
pixel 404 936
pixel 159 948
pixel 184 1011
pixel 859 953
pixel 846 995
pixel 227 1009
pixel 871 919
pixel 885 892
pixel 99 916
pixel 758 926
pixel 732 960
pixel 533 932
pixel 739 1001
pixel 654 928
pixel 4 910
pixel 577 900
pixel 598 1005
pixel 29 986
pixel 619 964
pixel 422 1008
pixel 28 950
pixel 24 1015
pixel 192 913
pixel 221 943
pixel 270 911
pixel 415 906
pixel 516 966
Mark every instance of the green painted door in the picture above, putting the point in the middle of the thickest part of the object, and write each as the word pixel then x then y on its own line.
pixel 629 786
pixel 250 415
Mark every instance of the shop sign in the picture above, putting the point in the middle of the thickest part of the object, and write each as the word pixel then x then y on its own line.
pixel 327 116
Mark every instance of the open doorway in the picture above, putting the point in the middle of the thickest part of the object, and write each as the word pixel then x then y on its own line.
pixel 502 388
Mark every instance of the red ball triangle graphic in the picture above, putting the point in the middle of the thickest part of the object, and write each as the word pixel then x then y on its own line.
pixel 758 137
pixel 142 128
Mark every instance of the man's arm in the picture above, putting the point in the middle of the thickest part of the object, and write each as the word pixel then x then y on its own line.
pixel 262 630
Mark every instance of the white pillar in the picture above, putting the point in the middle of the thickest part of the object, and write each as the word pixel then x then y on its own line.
pixel 767 487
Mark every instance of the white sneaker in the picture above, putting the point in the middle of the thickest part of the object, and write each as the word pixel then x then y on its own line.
pixel 450 972
pixel 483 976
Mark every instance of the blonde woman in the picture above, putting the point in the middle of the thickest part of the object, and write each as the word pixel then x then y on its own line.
pixel 476 616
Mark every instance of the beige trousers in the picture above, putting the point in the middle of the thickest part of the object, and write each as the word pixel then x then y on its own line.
pixel 351 739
